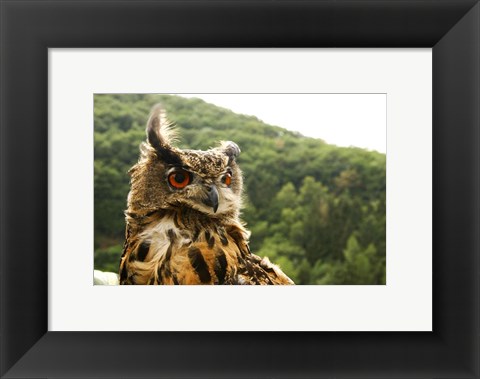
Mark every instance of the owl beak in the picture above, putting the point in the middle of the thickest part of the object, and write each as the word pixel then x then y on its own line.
pixel 212 199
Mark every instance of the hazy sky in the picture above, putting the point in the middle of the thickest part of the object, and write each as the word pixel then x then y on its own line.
pixel 339 119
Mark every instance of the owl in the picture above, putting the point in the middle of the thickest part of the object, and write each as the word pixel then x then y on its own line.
pixel 183 216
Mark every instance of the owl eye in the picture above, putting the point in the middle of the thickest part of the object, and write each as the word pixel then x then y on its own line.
pixel 227 179
pixel 179 179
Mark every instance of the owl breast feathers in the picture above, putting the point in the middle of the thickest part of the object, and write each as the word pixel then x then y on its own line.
pixel 182 220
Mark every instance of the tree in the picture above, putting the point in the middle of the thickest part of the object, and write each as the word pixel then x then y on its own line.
pixel 358 266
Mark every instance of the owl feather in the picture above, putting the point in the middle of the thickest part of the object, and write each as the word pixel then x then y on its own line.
pixel 183 216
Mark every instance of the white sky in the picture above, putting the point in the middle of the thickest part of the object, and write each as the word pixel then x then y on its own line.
pixel 339 119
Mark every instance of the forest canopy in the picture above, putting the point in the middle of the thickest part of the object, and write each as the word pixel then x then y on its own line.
pixel 315 209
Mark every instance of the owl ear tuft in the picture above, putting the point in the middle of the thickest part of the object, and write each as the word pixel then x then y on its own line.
pixel 160 135
pixel 231 149
pixel 159 129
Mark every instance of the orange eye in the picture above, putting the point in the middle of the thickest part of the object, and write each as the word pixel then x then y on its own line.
pixel 179 179
pixel 227 179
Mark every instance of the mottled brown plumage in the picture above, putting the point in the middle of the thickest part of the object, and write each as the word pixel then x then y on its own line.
pixel 182 221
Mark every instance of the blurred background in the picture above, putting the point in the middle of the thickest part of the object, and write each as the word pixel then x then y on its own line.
pixel 316 209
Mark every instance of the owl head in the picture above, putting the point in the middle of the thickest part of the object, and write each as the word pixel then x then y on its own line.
pixel 167 177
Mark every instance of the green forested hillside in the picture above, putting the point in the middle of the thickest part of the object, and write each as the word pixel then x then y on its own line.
pixel 315 209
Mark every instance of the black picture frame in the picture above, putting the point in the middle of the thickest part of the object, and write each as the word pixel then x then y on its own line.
pixel 29 28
